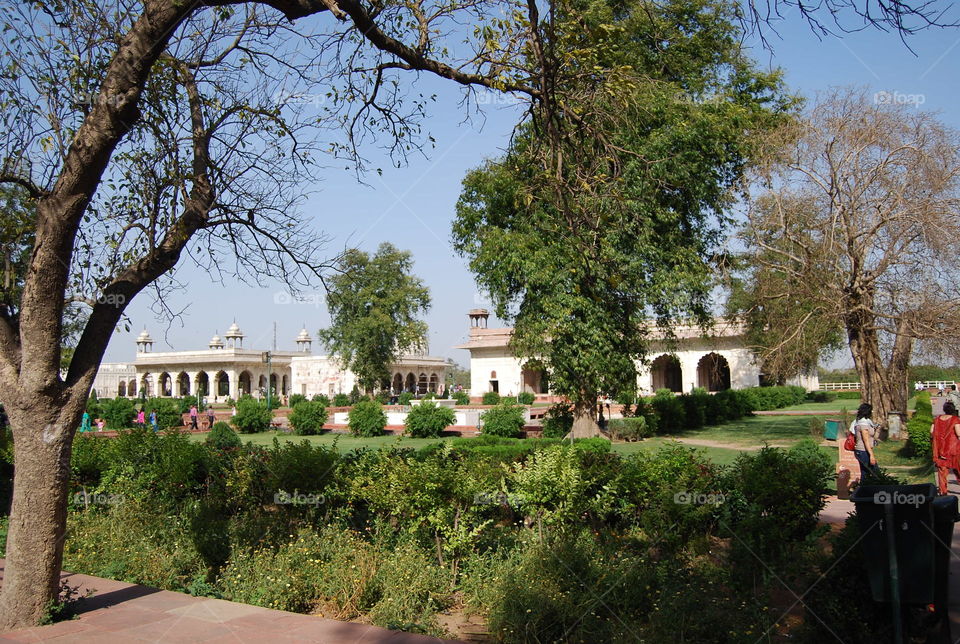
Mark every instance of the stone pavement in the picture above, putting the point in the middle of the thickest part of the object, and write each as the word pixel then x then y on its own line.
pixel 127 613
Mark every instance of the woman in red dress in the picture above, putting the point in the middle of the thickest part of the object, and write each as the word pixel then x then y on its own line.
pixel 945 441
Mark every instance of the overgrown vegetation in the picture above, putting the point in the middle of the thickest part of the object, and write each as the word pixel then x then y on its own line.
pixel 525 532
pixel 366 418
pixel 428 420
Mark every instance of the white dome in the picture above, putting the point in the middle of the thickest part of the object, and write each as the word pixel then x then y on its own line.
pixel 304 335
pixel 144 337
pixel 216 342
pixel 234 331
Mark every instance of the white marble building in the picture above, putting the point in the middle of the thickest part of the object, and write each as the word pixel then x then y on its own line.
pixel 716 361
pixel 226 370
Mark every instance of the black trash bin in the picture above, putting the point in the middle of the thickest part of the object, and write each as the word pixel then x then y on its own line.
pixel 922 532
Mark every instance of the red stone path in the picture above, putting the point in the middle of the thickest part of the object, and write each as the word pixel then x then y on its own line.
pixel 127 613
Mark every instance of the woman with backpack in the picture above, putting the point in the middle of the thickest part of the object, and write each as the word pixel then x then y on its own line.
pixel 866 434
pixel 945 444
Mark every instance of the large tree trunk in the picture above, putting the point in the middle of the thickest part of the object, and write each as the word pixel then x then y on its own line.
pixel 42 432
pixel 883 386
pixel 585 424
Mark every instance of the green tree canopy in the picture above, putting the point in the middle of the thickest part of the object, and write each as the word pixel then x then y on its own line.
pixel 374 302
pixel 601 218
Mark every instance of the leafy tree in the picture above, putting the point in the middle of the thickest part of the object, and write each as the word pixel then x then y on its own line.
pixel 168 412
pixel 118 413
pixel 374 302
pixel 505 420
pixel 602 217
pixel 850 237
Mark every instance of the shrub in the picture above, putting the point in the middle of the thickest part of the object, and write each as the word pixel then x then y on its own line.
pixel 504 420
pixel 629 429
pixel 252 416
pixel 404 398
pixel 296 398
pixel 821 396
pixel 168 412
pixel 491 398
pixel 367 418
pixel 356 395
pixel 695 408
pixel 558 421
pixel 509 399
pixel 308 417
pixel 670 411
pixel 186 402
pixel 222 436
pixel 918 428
pixel 322 399
pixel 118 413
pixel 95 407
pixel 341 400
pixel 428 420
pixel 461 397
pixel 526 398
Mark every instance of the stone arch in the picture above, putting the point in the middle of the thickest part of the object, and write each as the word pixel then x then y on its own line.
pixel 666 373
pixel 273 384
pixel 122 389
pixel 283 385
pixel 132 388
pixel 434 385
pixel 422 383
pixel 262 384
pixel 244 381
pixel 410 384
pixel 183 384
pixel 533 378
pixel 164 385
pixel 146 386
pixel 397 383
pixel 221 383
pixel 203 384
pixel 713 372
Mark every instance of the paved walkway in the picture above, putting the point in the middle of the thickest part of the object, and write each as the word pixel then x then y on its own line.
pixel 124 613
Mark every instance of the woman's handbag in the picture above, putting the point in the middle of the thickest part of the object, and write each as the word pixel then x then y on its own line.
pixel 851 443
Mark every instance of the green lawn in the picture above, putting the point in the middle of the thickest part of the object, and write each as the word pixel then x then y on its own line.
pixel 831 407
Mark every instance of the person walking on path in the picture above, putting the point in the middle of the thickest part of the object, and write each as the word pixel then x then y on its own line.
pixel 153 421
pixel 945 443
pixel 954 396
pixel 193 417
pixel 866 433
pixel 211 417
pixel 141 419
pixel 85 422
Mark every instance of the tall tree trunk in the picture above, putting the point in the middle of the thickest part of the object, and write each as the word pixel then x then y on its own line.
pixel 43 431
pixel 585 421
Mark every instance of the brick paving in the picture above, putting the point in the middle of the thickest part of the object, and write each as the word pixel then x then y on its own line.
pixel 126 614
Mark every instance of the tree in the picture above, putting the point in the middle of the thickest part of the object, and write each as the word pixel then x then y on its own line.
pixel 374 303
pixel 850 234
pixel 457 375
pixel 605 209
pixel 146 131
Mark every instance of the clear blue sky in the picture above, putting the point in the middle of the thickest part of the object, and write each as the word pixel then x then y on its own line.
pixel 413 207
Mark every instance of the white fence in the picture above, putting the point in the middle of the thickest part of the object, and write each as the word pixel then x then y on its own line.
pixel 855 386
pixel 839 386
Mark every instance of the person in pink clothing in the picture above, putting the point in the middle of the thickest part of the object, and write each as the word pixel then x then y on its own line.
pixel 141 419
